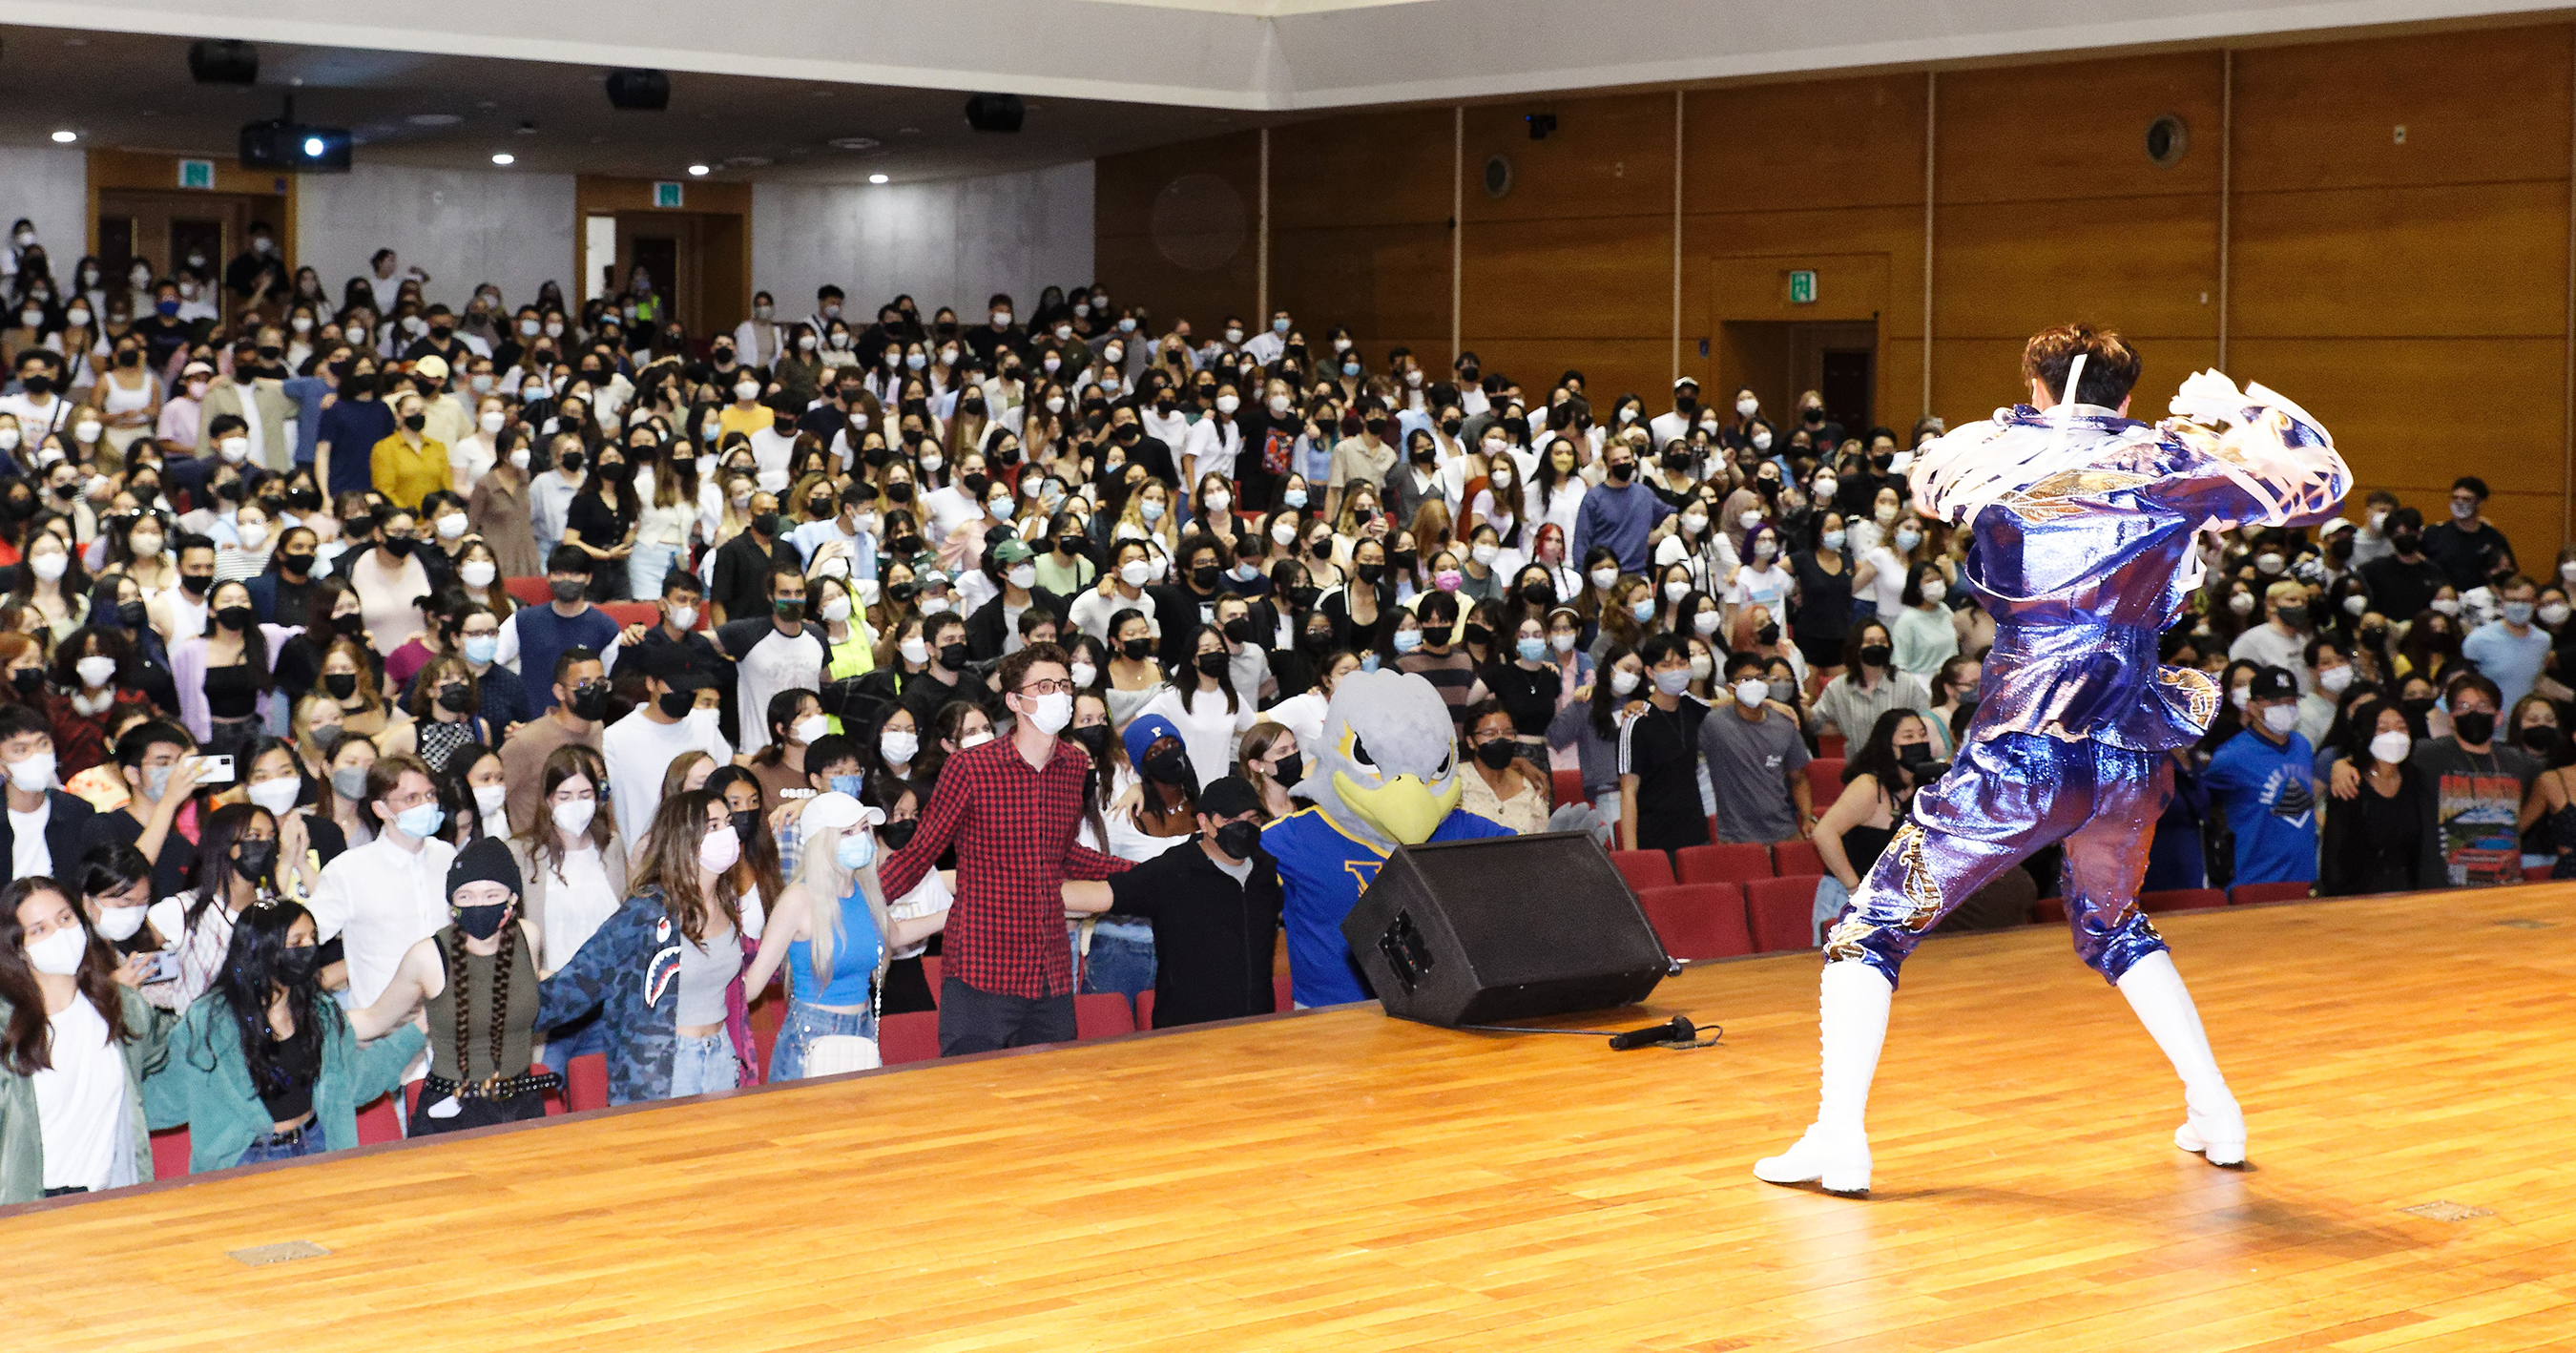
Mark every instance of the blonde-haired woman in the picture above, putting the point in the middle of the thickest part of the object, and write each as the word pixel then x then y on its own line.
pixel 1149 516
pixel 831 934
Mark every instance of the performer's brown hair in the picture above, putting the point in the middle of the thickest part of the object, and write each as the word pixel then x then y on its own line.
pixel 2111 366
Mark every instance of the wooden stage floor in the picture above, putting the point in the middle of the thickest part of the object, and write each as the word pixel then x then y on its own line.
pixel 1339 1181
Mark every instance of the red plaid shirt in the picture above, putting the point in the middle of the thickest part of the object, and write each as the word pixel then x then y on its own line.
pixel 1013 826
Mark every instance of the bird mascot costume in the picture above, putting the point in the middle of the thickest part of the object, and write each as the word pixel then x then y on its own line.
pixel 1385 774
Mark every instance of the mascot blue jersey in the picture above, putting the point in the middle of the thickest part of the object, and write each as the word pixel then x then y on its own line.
pixel 1385 774
pixel 1322 872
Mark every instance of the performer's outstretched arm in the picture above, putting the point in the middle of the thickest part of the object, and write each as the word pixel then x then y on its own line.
pixel 2269 462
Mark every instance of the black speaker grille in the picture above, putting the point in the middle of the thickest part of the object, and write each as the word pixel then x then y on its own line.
pixel 1517 908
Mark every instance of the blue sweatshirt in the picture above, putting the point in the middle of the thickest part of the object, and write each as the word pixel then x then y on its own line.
pixel 2268 794
pixel 1619 518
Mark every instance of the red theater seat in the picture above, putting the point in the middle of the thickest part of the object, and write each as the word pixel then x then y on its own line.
pixel 586 1082
pixel 1644 868
pixel 912 1037
pixel 1830 746
pixel 1102 1014
pixel 930 974
pixel 2181 899
pixel 635 613
pixel 2245 894
pixel 529 591
pixel 1280 985
pixel 170 1153
pixel 1793 858
pixel 1144 1009
pixel 1824 782
pixel 1782 912
pixel 1734 862
pixel 1698 920
pixel 1568 785
pixel 378 1122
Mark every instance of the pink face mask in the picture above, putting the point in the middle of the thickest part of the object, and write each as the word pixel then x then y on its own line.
pixel 1447 579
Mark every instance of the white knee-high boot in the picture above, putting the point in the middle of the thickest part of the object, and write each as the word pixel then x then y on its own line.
pixel 2213 1126
pixel 1851 1018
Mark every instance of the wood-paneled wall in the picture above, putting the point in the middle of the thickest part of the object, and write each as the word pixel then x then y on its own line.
pixel 2411 288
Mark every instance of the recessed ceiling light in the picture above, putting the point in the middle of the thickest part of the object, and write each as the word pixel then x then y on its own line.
pixel 697 171
pixel 876 178
pixel 907 131
pixel 855 143
pixel 66 137
pixel 745 161
pixel 434 119
pixel 504 157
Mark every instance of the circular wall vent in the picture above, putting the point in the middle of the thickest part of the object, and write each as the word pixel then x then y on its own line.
pixel 1198 222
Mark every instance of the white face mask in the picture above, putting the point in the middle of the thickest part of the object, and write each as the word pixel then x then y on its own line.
pixel 59 953
pixel 1675 591
pixel 2280 718
pixel 974 740
pixel 1934 591
pixel 2446 606
pixel 1485 554
pixel 33 775
pixel 1744 408
pixel 120 923
pixel 2333 680
pixel 1622 682
pixel 1705 622
pixel 1748 519
pixel 1750 693
pixel 1603 578
pixel 898 746
pixel 490 800
pixel 1227 404
pixel 809 728
pixel 1022 576
pixel 519 458
pixel 1054 710
pixel 573 815
pixel 836 608
pixel 95 670
pixel 914 650
pixel 2391 747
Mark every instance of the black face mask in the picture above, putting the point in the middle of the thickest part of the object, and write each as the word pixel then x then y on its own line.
pixel 1211 664
pixel 2474 726
pixel 1239 629
pixel 340 685
pixel 589 701
pixel 571 460
pixel 1914 755
pixel 455 698
pixel 1239 839
pixel 1538 594
pixel 953 657
pixel 253 857
pixel 1450 426
pixel 198 584
pixel 974 481
pixel 676 704
pixel 900 491
pixel 2416 709
pixel 1322 548
pixel 295 565
pixel 1496 754
pixel 2540 739
pixel 765 523
pixel 1406 559
pixel 1170 768
pixel 2405 541
pixel 296 967
pixel 1204 577
pixel 1767 635
pixel 1369 573
pixel 900 593
pixel 1094 739
pixel 1876 655
pixel 132 614
pixel 350 626
pixel 1625 470
pixel 235 618
pixel 28 680
pixel 1137 650
pixel 1318 641
pixel 415 421
pixel 896 835
pixel 746 824
pixel 398 546
pixel 482 923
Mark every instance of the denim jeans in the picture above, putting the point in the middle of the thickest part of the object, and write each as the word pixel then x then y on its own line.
pixel 702 1066
pixel 646 567
pixel 1122 958
pixel 804 1024
pixel 304 1141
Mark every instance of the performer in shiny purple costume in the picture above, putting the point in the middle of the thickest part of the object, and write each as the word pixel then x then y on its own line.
pixel 2085 547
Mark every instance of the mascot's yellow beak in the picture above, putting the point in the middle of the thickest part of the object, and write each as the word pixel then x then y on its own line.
pixel 1404 808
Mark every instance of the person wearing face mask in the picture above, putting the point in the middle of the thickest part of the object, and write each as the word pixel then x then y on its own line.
pixel 76 1047
pixel 573 717
pixel 1659 753
pixel 410 464
pixel 2263 779
pixel 536 636
pixel 266 1066
pixel 1010 809
pixel 784 650
pixel 475 983
pixel 2509 650
pixel 993 628
pixel 1756 760
pixel 679 716
pixel 381 898
pixel 45 826
pixel 2372 841
pixel 832 934
pixel 256 398
pixel 2467 547
pixel 116 897
pixel 127 396
pixel 1925 632
pixel 2403 581
pixel 1620 513
pixel 689 1033
pixel 2278 641
pixel 1214 908
pixel 2477 785
pixel 1879 781
pixel 2329 660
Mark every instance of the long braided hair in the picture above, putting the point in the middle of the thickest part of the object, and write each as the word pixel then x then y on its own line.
pixel 502 967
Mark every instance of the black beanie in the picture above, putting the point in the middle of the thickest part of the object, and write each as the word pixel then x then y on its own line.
pixel 486 860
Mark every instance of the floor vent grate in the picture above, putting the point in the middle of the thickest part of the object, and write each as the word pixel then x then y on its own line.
pixel 286 1252
pixel 2443 1210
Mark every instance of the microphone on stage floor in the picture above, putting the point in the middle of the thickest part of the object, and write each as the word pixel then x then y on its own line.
pixel 1677 1030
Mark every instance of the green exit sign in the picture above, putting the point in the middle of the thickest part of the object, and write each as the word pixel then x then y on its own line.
pixel 666 194
pixel 196 173
pixel 1802 286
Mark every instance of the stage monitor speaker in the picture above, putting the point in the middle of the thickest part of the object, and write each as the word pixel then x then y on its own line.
pixel 1503 929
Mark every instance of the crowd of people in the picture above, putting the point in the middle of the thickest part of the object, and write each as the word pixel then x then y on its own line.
pixel 996 636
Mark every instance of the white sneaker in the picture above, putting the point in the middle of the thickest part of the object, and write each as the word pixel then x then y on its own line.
pixel 2218 1140
pixel 1837 1163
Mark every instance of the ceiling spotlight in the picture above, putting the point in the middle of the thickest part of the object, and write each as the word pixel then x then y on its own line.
pixel 876 178
pixel 504 157
pixel 65 137
pixel 855 143
pixel 697 171
pixel 314 146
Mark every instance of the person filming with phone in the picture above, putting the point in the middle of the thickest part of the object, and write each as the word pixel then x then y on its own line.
pixel 161 773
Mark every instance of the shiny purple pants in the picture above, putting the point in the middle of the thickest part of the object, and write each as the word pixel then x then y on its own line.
pixel 2006 798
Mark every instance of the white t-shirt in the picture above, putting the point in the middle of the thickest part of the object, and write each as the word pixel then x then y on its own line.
pixel 927 897
pixel 578 902
pixel 1768 588
pixel 29 854
pixel 1887 589
pixel 381 900
pixel 81 1105
pixel 777 663
pixel 769 456
pixel 1209 733
pixel 638 751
